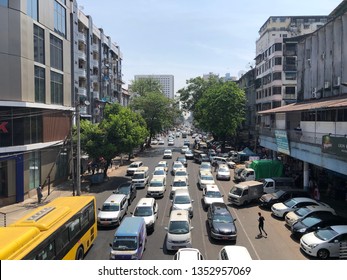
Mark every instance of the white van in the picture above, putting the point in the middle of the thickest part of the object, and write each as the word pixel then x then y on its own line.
pixel 133 167
pixel 179 230
pixel 113 210
pixel 147 208
pixel 156 187
pixel 141 177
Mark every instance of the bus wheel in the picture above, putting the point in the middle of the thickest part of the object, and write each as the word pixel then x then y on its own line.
pixel 79 253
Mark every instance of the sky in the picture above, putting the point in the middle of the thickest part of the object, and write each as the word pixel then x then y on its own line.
pixel 189 38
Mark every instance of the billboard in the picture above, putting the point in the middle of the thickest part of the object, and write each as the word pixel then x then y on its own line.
pixel 282 141
pixel 334 145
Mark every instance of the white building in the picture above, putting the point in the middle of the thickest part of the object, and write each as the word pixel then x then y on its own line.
pixel 166 82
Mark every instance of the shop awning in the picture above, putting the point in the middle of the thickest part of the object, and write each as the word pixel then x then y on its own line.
pixel 308 105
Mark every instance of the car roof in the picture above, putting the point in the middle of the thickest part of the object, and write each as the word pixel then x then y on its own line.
pixel 212 188
pixel 236 252
pixel 205 172
pixel 179 215
pixel 182 192
pixel 159 168
pixel 136 162
pixel 162 162
pixel 312 208
pixel 167 150
pixel 180 178
pixel 219 206
pixel 188 254
pixel 340 229
pixel 303 199
pixel 159 178
pixel 145 201
pixel 115 198
pixel 223 165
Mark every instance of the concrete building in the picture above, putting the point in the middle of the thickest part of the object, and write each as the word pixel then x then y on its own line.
pixel 166 81
pixel 275 74
pixel 311 133
pixel 51 56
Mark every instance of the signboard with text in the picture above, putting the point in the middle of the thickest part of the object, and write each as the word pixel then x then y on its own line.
pixel 282 142
pixel 334 145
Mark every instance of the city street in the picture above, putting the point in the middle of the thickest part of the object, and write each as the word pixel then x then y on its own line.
pixel 277 246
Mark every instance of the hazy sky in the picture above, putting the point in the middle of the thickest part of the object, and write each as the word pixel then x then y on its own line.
pixel 189 38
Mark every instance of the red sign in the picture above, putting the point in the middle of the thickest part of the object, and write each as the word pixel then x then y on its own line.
pixel 3 127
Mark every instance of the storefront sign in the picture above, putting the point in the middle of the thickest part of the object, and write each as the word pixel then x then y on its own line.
pixel 282 141
pixel 334 145
pixel 3 128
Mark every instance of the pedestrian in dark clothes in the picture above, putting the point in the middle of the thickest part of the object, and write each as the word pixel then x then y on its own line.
pixel 261 220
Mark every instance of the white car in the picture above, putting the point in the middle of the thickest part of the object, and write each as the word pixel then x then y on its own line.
pixel 167 153
pixel 303 212
pixel 234 253
pixel 282 208
pixel 211 194
pixel 182 172
pixel 176 165
pixel 205 165
pixel 156 187
pixel 154 142
pixel 205 178
pixel 171 142
pixel 133 167
pixel 221 160
pixel 163 164
pixel 223 172
pixel 178 183
pixel 147 208
pixel 161 142
pixel 188 254
pixel 181 201
pixel 179 230
pixel 325 242
pixel 184 149
pixel 189 154
pixel 159 172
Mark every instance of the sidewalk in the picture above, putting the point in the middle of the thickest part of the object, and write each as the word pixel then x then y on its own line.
pixel 11 213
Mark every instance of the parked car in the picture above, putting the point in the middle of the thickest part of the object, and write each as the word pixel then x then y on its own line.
pixel 325 242
pixel 167 154
pixel 223 172
pixel 269 199
pixel 282 208
pixel 303 212
pixel 211 194
pixel 128 189
pixel 221 222
pixel 188 254
pixel 315 222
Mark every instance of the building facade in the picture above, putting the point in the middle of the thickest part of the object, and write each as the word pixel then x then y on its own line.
pixel 166 82
pixel 276 66
pixel 51 57
pixel 312 131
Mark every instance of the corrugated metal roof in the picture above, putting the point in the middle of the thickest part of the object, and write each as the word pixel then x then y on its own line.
pixel 309 105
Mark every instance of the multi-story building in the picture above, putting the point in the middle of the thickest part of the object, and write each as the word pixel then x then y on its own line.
pixel 276 72
pixel 312 132
pixel 51 56
pixel 166 82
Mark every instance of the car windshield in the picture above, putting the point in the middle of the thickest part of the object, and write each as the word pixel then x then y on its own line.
pixel 124 243
pixel 213 194
pixel 143 211
pixel 223 169
pixel 156 184
pixel 236 191
pixel 110 207
pixel 138 176
pixel 207 178
pixel 325 234
pixel 301 212
pixel 182 199
pixel 123 190
pixel 159 172
pixel 278 194
pixel 205 166
pixel 181 173
pixel 133 165
pixel 178 227
pixel 177 165
pixel 179 184
pixel 310 221
pixel 223 218
pixel 289 203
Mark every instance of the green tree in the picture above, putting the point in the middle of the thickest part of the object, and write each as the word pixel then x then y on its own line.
pixel 220 110
pixel 158 111
pixel 145 85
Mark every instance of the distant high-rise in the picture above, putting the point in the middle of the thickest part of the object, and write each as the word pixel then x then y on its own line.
pixel 166 82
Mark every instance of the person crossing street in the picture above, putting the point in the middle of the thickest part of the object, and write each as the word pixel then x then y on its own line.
pixel 261 220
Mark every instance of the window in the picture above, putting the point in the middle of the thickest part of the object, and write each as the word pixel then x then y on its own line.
pixel 56 88
pixel 290 90
pixel 39 44
pixel 40 81
pixel 4 3
pixel 278 60
pixel 59 19
pixel 56 53
pixel 276 90
pixel 277 76
pixel 32 9
pixel 290 76
pixel 278 47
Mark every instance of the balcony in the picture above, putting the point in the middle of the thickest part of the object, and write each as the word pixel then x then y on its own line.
pixel 96 94
pixel 81 73
pixel 82 91
pixel 95 47
pixel 81 37
pixel 95 63
pixel 82 55
pixel 289 67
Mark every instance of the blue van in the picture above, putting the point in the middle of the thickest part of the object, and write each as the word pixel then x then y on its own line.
pixel 129 239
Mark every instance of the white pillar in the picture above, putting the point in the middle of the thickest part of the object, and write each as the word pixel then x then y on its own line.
pixel 306 176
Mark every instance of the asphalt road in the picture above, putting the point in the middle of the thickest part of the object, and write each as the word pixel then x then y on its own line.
pixel 277 246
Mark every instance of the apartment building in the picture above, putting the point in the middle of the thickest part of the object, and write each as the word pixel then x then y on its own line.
pixel 275 65
pixel 312 131
pixel 52 56
pixel 166 82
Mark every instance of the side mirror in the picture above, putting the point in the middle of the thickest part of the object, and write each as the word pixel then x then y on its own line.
pixel 110 245
pixel 192 200
pixel 235 219
pixel 191 228
pixel 131 213
pixel 99 209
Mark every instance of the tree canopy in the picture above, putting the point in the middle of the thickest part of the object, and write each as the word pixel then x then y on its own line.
pixel 145 85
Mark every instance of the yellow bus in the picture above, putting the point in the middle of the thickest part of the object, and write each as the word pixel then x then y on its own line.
pixel 62 229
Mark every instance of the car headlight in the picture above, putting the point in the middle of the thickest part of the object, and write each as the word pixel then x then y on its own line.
pixel 312 246
pixel 150 223
pixel 301 230
pixel 134 257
